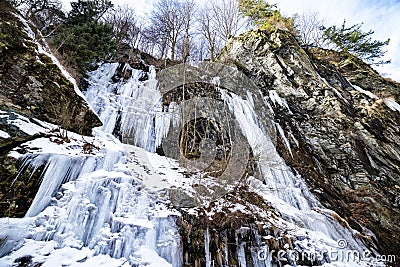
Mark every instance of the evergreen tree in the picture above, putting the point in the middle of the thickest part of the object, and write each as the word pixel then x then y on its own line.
pixel 257 10
pixel 88 10
pixel 353 40
pixel 264 15
pixel 83 39
pixel 86 42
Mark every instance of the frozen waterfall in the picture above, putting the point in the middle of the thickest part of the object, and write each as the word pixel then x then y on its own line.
pixel 91 208
pixel 105 208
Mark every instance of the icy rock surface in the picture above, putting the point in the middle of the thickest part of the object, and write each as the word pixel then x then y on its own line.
pixel 106 208
pixel 342 127
pixel 92 208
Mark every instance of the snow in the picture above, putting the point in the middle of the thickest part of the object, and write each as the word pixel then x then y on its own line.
pixel 368 93
pixel 4 135
pixel 66 74
pixel 25 125
pixel 48 254
pixel 27 29
pixel 110 207
pixel 392 104
pixel 159 172
pixel 48 146
pixel 152 259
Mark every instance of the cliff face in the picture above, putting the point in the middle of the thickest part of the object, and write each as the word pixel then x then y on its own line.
pixel 34 91
pixel 31 82
pixel 342 126
pixel 336 125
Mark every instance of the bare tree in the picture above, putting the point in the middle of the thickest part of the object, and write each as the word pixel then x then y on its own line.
pixel 208 30
pixel 200 50
pixel 167 23
pixel 308 27
pixel 227 16
pixel 154 41
pixel 45 14
pixel 187 15
pixel 217 21
pixel 125 24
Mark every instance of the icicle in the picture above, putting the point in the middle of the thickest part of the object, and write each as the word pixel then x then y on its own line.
pixel 392 104
pixel 57 170
pixel 207 247
pixel 284 139
pixel 100 207
pixel 287 192
pixel 241 254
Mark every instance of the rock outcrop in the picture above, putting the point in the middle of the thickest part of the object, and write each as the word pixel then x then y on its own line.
pixel 337 127
pixel 32 83
pixel 34 91
pixel 342 122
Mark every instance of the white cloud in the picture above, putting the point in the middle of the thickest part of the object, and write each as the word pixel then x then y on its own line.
pixel 382 16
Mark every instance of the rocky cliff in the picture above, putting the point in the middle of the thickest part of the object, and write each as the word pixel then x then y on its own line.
pixel 32 82
pixel 103 201
pixel 34 91
pixel 341 120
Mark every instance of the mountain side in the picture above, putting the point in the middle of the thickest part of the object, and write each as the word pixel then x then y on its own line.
pixel 32 82
pixel 111 200
pixel 340 123
pixel 37 98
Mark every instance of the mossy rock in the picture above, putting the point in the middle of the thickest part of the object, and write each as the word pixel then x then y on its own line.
pixel 17 194
pixel 55 100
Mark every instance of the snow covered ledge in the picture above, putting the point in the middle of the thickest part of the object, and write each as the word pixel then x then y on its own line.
pixel 34 84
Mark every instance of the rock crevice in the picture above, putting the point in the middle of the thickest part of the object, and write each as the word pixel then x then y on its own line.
pixel 343 134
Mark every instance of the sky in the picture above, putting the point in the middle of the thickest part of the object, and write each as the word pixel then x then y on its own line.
pixel 381 16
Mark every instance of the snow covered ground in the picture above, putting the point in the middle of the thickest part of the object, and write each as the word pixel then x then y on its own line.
pixel 108 205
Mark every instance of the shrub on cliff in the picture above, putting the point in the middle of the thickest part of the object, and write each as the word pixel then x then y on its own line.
pixel 353 40
pixel 264 15
pixel 85 42
pixel 83 39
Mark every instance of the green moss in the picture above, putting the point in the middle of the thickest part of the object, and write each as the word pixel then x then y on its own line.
pixel 27 56
pixel 45 59
pixel 241 67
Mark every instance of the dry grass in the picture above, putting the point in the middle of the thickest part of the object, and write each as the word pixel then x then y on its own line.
pixel 67 62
